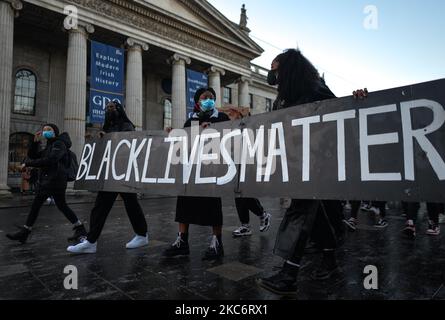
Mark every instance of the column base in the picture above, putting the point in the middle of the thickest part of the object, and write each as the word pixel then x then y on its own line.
pixel 5 193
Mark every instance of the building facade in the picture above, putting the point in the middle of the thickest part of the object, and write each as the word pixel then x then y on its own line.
pixel 45 57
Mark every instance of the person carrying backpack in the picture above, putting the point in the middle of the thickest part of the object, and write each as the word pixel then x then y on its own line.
pixel 52 163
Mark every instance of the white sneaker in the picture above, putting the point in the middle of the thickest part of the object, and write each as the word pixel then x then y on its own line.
pixel 137 242
pixel 83 247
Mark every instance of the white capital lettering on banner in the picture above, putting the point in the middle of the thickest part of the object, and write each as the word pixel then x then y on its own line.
pixel 166 178
pixel 205 157
pixel 187 162
pixel 252 148
pixel 147 158
pixel 275 152
pixel 375 140
pixel 88 177
pixel 133 159
pixel 105 159
pixel 231 171
pixel 83 165
pixel 409 135
pixel 340 118
pixel 113 166
pixel 306 123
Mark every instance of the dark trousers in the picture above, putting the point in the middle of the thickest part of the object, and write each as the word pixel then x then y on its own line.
pixel 433 210
pixel 102 207
pixel 244 205
pixel 59 199
pixel 320 221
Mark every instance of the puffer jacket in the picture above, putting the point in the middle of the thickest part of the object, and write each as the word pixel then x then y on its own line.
pixel 52 162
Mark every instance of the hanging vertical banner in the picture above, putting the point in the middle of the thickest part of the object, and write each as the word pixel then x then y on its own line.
pixel 106 78
pixel 195 80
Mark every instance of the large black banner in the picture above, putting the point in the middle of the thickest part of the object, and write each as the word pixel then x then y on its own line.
pixel 390 146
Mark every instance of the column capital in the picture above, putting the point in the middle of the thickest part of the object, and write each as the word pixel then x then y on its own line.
pixel 134 43
pixel 81 26
pixel 177 58
pixel 214 69
pixel 16 5
pixel 243 79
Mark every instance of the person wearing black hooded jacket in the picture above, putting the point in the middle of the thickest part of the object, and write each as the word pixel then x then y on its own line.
pixel 52 162
pixel 320 221
pixel 116 120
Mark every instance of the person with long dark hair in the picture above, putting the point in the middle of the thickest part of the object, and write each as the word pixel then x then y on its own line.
pixel 203 211
pixel 116 120
pixel 51 163
pixel 321 221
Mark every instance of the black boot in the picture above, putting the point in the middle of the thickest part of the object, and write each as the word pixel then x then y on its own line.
pixel 327 268
pixel 215 250
pixel 79 233
pixel 21 235
pixel 178 248
pixel 284 282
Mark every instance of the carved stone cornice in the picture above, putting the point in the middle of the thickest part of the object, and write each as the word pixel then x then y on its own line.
pixel 165 27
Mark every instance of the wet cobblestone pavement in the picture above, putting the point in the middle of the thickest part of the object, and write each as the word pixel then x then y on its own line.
pixel 407 269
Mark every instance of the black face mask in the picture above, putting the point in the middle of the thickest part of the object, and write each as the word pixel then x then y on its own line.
pixel 113 115
pixel 272 78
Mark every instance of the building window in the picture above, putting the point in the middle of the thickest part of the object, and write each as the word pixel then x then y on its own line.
pixel 227 95
pixel 167 113
pixel 19 144
pixel 25 92
pixel 251 101
pixel 268 105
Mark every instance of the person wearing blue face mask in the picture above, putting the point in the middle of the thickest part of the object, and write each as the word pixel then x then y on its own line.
pixel 51 162
pixel 203 211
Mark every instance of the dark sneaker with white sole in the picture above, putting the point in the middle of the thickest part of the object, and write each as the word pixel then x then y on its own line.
pixel 351 223
pixel 381 223
pixel 243 231
pixel 265 222
pixel 433 229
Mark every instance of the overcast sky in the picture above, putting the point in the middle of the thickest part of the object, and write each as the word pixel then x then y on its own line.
pixel 393 43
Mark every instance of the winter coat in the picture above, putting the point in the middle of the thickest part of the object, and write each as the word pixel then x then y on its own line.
pixel 51 162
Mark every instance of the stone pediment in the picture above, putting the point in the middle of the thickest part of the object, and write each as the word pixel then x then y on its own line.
pixel 202 15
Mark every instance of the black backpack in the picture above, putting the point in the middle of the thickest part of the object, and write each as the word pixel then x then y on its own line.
pixel 72 166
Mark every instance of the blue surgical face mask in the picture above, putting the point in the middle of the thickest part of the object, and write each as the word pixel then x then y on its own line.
pixel 207 105
pixel 48 134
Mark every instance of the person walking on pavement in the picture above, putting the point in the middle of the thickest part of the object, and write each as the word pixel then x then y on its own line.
pixel 116 120
pixel 52 180
pixel 321 221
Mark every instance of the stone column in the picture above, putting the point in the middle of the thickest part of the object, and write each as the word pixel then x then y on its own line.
pixel 76 86
pixel 179 98
pixel 215 74
pixel 8 10
pixel 243 92
pixel 134 82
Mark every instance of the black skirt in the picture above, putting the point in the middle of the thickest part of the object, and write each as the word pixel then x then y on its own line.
pixel 202 211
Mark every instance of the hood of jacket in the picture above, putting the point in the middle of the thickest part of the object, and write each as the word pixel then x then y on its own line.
pixel 65 138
